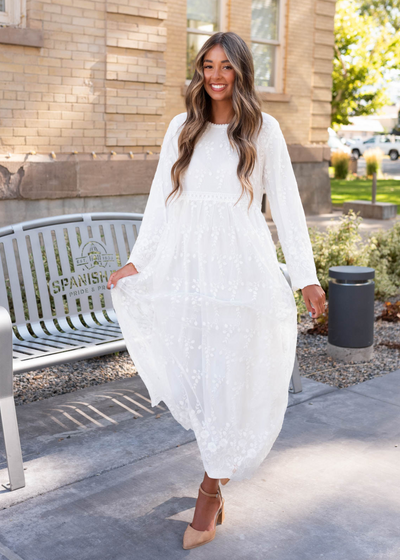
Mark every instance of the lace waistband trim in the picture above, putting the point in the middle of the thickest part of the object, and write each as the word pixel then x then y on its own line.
pixel 212 195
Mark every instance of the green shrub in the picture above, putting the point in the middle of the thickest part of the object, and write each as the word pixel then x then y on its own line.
pixel 340 162
pixel 343 245
pixel 384 256
pixel 373 158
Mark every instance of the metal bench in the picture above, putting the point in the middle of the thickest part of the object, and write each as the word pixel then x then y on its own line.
pixel 56 307
pixel 55 304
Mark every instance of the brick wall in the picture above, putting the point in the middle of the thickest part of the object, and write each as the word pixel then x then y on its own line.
pixel 107 77
pixel 98 82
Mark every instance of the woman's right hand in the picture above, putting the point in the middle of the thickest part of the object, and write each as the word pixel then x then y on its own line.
pixel 127 270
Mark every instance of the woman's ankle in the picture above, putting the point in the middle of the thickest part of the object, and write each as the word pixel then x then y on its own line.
pixel 210 485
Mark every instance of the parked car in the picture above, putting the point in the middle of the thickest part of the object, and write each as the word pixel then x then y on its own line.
pixel 389 147
pixel 349 141
pixel 336 144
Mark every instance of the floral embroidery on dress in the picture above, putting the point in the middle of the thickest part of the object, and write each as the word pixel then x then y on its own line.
pixel 209 320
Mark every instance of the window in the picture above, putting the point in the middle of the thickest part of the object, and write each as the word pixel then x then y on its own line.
pixel 12 12
pixel 267 43
pixel 204 18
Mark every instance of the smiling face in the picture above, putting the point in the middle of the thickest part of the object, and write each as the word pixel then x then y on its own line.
pixel 219 75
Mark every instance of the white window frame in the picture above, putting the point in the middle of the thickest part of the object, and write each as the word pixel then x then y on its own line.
pixel 15 13
pixel 280 51
pixel 223 25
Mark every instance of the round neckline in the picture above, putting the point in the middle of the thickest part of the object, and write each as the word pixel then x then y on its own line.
pixel 216 124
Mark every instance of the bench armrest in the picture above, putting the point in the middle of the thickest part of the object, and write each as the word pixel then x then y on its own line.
pixel 6 366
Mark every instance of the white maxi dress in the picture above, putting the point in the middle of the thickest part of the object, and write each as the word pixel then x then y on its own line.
pixel 210 321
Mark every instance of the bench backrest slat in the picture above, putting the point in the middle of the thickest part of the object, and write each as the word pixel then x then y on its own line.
pixel 64 265
pixel 61 249
pixel 51 259
pixel 119 234
pixel 40 271
pixel 94 233
pixel 28 281
pixel 3 286
pixel 15 287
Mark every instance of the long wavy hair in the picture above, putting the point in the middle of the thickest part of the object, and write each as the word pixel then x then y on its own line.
pixel 246 123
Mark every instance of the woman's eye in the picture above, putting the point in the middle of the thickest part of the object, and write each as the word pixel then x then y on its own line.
pixel 229 67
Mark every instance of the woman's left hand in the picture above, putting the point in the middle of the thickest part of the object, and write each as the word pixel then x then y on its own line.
pixel 314 298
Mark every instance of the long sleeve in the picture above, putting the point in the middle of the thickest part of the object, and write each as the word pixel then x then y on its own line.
pixel 155 216
pixel 287 210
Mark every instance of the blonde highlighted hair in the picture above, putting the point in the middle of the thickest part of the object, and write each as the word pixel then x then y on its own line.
pixel 246 123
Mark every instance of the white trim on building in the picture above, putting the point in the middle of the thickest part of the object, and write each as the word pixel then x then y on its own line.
pixel 14 13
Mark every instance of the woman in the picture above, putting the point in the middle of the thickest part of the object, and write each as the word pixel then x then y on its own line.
pixel 207 315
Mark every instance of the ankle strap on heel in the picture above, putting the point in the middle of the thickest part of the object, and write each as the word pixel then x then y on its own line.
pixel 210 495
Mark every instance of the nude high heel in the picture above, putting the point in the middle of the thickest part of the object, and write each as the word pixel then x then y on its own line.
pixel 192 537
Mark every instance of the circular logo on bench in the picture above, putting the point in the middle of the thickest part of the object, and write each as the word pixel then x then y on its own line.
pixel 92 270
pixel 94 254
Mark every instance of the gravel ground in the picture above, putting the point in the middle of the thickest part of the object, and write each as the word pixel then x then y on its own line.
pixel 314 363
pixel 66 378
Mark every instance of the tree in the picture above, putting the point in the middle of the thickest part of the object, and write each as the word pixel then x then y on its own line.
pixel 367 48
pixel 385 12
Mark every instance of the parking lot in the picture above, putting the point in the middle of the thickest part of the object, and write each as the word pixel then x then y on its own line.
pixel 392 168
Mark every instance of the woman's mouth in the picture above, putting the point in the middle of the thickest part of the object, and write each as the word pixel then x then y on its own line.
pixel 218 87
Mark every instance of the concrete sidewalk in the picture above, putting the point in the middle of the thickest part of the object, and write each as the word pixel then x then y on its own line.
pixel 323 221
pixel 110 478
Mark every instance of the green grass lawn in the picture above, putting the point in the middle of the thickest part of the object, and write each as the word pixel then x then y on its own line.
pixel 387 190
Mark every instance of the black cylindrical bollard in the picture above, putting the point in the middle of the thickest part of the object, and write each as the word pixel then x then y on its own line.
pixel 351 313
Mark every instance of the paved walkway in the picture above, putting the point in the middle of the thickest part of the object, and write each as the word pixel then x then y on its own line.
pixel 109 478
pixel 322 221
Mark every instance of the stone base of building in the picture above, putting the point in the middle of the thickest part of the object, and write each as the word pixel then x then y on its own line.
pixel 38 186
pixel 348 355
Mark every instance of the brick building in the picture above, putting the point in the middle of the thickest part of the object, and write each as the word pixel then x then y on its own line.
pixel 88 87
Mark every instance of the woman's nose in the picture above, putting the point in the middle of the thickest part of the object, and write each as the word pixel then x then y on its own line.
pixel 216 73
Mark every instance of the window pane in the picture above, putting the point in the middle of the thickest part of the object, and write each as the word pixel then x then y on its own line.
pixel 264 64
pixel 203 14
pixel 2 5
pixel 194 43
pixel 265 19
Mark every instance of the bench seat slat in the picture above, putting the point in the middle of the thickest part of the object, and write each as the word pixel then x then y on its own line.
pixel 101 318
pixel 113 328
pixel 112 315
pixel 83 353
pixel 43 345
pixel 79 339
pixel 87 317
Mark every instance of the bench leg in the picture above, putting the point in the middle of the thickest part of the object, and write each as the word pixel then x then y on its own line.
pixel 7 405
pixel 296 379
